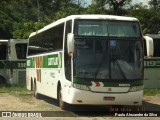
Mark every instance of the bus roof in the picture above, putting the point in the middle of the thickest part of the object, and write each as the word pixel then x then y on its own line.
pixel 19 40
pixel 3 40
pixel 92 16
pixel 154 36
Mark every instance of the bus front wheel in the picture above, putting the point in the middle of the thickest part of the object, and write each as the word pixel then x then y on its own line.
pixel 62 104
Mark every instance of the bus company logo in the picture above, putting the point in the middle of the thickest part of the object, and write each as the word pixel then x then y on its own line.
pixel 53 61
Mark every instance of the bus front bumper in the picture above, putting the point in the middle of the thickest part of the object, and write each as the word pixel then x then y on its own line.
pixel 92 98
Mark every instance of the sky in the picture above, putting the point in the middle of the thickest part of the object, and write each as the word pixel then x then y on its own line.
pixel 145 2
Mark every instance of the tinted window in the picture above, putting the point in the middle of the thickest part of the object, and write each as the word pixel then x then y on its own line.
pixel 21 50
pixel 156 47
pixel 49 40
pixel 67 58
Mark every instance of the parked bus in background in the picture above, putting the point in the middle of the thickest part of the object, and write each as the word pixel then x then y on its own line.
pixel 152 62
pixel 87 60
pixel 13 61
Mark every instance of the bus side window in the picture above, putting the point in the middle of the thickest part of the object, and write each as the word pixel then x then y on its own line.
pixel 67 58
pixel 21 51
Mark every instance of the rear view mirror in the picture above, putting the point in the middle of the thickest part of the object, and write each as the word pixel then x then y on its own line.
pixel 70 43
pixel 149 46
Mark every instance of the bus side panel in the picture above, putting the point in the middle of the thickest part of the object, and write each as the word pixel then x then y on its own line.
pixel 3 71
pixel 152 78
pixel 151 73
pixel 30 73
pixel 49 81
pixel 30 77
pixel 46 70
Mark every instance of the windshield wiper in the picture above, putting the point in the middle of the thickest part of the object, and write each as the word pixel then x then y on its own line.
pixel 100 65
pixel 123 74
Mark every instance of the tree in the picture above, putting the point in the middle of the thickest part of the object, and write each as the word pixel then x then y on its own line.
pixel 154 4
pixel 115 6
pixel 147 16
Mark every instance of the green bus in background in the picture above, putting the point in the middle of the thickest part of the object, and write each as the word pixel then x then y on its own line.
pixel 13 61
pixel 152 62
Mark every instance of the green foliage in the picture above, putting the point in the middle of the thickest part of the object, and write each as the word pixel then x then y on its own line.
pixel 147 16
pixel 18 18
pixel 23 29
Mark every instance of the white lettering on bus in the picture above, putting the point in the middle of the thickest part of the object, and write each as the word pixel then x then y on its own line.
pixel 28 62
pixel 151 63
pixel 53 61
pixel 22 65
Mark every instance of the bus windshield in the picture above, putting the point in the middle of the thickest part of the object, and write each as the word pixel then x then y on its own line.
pixel 108 59
pixel 107 28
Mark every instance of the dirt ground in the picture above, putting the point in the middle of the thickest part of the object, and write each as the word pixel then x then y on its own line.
pixel 9 102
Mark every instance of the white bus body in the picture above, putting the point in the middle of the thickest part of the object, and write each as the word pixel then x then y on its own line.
pixel 13 71
pixel 87 60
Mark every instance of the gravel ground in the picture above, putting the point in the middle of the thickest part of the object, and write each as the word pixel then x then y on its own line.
pixel 9 102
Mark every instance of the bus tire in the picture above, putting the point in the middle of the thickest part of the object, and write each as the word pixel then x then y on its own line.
pixel 62 104
pixel 31 84
pixel 35 92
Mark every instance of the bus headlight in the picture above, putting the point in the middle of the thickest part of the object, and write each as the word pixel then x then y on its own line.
pixel 82 87
pixel 136 88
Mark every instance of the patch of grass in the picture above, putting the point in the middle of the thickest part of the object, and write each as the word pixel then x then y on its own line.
pixel 17 90
pixel 151 91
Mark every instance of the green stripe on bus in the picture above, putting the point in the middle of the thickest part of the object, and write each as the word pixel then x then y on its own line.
pixel 107 84
pixel 82 81
pixel 46 61
pixel 12 64
pixel 152 63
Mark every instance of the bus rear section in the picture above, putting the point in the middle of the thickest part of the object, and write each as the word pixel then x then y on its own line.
pixel 13 61
pixel 17 49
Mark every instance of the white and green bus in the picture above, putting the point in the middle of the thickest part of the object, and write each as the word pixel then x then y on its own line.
pixel 152 62
pixel 13 61
pixel 87 60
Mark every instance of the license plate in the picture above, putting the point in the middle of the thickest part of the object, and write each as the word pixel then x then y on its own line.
pixel 109 98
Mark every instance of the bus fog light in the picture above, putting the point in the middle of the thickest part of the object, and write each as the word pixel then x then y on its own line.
pixel 136 88
pixel 82 87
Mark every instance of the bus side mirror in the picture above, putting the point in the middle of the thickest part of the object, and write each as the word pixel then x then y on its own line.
pixel 70 43
pixel 149 46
